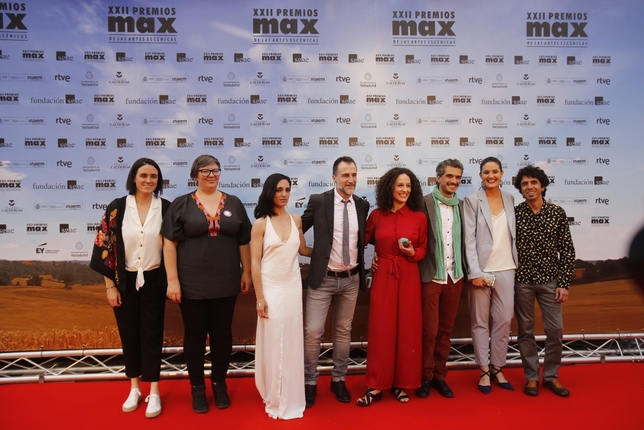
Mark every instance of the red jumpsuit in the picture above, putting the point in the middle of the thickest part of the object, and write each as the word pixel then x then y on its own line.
pixel 395 316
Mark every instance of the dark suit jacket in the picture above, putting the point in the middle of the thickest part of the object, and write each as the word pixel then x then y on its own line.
pixel 428 264
pixel 319 215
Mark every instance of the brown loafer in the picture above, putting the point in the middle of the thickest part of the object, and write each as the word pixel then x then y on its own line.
pixel 555 386
pixel 531 388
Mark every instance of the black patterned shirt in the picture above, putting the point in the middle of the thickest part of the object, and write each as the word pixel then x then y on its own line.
pixel 544 244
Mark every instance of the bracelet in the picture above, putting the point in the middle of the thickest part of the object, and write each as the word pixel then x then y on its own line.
pixel 259 303
pixel 113 286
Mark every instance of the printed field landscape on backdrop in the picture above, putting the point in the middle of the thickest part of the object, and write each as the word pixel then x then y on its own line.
pixel 54 315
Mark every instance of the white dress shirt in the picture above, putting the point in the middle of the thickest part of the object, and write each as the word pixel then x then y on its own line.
pixel 143 243
pixel 335 259
pixel 447 218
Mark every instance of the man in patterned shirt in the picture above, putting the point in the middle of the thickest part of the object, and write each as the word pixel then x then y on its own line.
pixel 546 265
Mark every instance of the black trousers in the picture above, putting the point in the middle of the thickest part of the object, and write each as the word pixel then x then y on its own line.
pixel 140 323
pixel 207 317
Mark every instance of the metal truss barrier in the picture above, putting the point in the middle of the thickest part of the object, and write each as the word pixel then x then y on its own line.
pixel 107 364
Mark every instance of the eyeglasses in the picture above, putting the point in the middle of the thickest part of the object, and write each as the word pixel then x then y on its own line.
pixel 207 172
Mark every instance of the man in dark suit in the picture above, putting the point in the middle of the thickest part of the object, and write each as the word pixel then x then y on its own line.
pixel 442 273
pixel 338 218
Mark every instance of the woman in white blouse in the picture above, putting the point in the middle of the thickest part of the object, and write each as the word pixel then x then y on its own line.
pixel 490 249
pixel 128 253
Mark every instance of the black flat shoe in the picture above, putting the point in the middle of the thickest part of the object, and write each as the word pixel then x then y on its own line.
pixel 443 388
pixel 199 402
pixel 310 392
pixel 369 397
pixel 220 390
pixel 423 390
pixel 494 375
pixel 485 389
pixel 340 390
pixel 400 394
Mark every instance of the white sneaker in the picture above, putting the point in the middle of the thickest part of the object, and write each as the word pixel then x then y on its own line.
pixel 154 406
pixel 132 401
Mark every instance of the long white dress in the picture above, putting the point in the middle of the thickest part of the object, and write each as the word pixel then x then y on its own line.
pixel 279 354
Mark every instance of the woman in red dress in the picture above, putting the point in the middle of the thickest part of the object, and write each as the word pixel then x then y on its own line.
pixel 398 229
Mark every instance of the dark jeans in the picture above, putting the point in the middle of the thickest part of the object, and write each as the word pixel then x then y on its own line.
pixel 140 323
pixel 213 317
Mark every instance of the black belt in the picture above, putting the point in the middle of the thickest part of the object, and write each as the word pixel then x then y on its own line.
pixel 343 273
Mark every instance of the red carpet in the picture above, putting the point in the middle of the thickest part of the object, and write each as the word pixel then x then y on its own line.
pixel 606 396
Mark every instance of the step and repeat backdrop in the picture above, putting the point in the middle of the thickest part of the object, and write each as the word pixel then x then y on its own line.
pixel 87 87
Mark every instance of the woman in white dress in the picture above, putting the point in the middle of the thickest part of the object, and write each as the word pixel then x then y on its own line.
pixel 276 238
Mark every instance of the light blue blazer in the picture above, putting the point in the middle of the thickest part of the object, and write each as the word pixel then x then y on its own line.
pixel 478 230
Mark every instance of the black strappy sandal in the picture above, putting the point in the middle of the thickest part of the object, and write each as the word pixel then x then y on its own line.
pixel 400 394
pixel 369 397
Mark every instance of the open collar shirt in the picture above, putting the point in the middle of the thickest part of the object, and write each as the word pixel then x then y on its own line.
pixel 544 245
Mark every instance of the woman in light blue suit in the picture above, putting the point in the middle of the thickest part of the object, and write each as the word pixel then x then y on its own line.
pixel 490 249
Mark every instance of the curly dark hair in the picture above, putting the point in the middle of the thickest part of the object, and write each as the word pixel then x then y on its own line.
pixel 265 205
pixel 384 189
pixel 532 172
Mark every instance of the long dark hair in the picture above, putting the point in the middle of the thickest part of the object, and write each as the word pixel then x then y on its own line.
pixel 265 205
pixel 384 189
pixel 490 160
pixel 131 186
